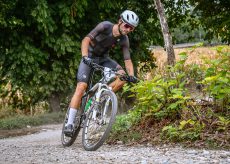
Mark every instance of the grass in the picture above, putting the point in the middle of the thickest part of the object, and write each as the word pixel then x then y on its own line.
pixel 22 121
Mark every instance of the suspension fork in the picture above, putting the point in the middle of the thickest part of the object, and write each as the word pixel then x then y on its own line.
pixel 97 100
pixel 106 107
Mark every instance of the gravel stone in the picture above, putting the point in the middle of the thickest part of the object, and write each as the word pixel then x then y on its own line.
pixel 45 148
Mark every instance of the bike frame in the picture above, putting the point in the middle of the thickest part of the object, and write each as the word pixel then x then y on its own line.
pixel 100 87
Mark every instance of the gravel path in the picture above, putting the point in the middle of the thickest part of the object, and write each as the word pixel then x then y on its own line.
pixel 45 147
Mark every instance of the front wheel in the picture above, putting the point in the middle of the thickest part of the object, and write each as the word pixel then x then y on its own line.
pixel 99 121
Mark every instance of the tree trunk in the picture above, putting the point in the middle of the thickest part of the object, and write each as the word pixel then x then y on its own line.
pixel 54 101
pixel 165 31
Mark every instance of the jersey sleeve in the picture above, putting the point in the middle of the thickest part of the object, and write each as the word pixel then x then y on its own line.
pixel 97 30
pixel 125 48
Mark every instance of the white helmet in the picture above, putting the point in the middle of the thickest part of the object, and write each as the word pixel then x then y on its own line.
pixel 130 18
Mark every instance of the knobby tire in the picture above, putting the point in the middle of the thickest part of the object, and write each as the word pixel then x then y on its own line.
pixel 109 127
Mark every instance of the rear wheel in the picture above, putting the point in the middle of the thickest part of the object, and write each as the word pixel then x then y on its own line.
pixel 69 140
pixel 99 121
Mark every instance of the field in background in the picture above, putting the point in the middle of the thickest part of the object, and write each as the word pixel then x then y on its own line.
pixel 195 56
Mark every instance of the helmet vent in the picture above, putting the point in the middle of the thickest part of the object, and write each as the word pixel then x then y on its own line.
pixel 130 17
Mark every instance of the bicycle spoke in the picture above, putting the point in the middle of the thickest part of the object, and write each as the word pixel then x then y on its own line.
pixel 95 129
pixel 69 140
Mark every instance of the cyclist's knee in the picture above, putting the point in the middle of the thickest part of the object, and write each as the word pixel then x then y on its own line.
pixel 80 89
pixel 118 84
pixel 121 83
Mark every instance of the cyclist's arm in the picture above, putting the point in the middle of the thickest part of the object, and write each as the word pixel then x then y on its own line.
pixel 90 37
pixel 129 67
pixel 127 58
pixel 85 46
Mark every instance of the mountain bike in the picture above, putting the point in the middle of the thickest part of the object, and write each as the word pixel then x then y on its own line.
pixel 97 112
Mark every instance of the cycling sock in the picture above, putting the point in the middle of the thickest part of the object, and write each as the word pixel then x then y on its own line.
pixel 72 115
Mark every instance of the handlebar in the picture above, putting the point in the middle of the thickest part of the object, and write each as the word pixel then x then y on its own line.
pixel 123 77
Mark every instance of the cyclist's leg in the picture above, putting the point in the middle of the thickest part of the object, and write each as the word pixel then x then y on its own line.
pixel 76 99
pixel 82 78
pixel 117 84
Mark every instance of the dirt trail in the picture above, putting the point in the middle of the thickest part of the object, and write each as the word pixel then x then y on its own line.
pixel 45 147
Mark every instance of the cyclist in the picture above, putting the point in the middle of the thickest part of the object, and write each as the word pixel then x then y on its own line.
pixel 94 48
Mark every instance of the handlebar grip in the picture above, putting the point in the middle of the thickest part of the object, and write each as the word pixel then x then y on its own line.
pixel 127 78
pixel 124 78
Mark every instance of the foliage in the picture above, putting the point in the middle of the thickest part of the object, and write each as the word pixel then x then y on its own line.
pixel 121 130
pixel 164 95
pixel 223 123
pixel 38 49
pixel 185 33
pixel 217 78
pixel 122 124
pixel 206 20
pixel 40 41
pixel 213 15
pixel 167 98
pixel 187 130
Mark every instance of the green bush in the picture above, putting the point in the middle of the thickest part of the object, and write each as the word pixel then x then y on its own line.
pixel 217 78
pixel 164 95
pixel 168 96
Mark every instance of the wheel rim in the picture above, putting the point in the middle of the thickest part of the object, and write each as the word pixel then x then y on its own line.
pixel 67 139
pixel 95 129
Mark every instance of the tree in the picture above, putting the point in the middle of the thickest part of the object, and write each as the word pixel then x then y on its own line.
pixel 39 50
pixel 165 30
pixel 40 41
pixel 214 17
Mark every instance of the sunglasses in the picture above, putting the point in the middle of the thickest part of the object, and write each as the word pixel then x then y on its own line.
pixel 129 26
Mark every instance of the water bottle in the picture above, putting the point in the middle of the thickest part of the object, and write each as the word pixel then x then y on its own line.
pixel 88 104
